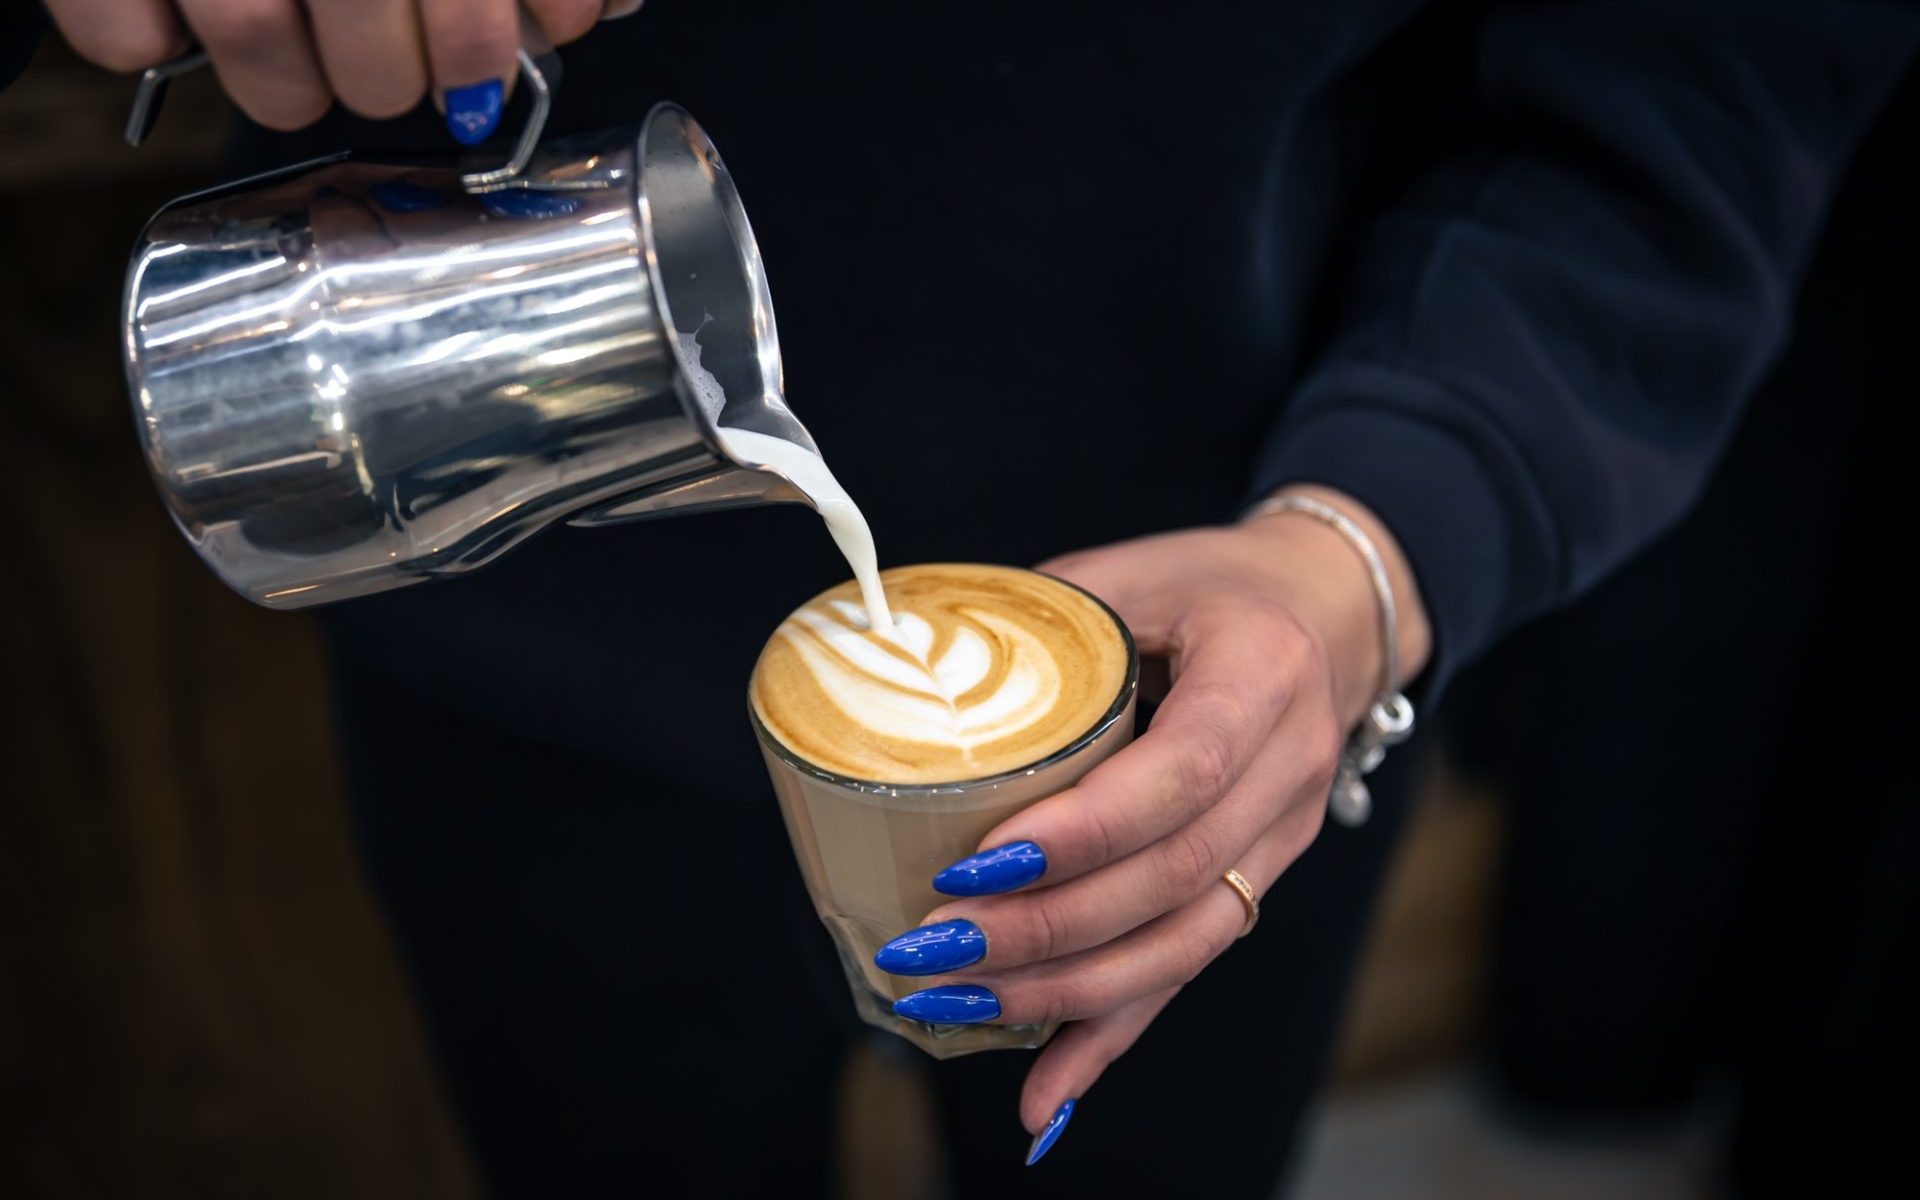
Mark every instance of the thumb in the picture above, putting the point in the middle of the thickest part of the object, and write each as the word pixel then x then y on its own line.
pixel 1131 578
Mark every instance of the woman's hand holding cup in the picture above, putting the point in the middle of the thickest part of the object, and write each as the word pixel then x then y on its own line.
pixel 1096 905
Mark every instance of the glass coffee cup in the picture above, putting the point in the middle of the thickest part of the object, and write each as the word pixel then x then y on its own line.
pixel 869 850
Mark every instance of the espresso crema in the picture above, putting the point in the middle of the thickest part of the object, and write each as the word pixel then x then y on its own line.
pixel 985 670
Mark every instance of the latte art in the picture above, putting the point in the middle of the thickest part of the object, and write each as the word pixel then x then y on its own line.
pixel 986 670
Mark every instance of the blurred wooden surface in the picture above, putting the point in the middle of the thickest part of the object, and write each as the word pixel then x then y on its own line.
pixel 196 996
pixel 62 126
pixel 1416 997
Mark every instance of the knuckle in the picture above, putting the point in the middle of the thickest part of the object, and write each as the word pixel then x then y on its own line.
pixel 1100 833
pixel 1314 658
pixel 1208 765
pixel 240 24
pixel 1284 626
pixel 383 90
pixel 1048 932
pixel 1066 1000
pixel 473 52
pixel 1312 821
pixel 1315 673
pixel 132 47
pixel 1324 743
pixel 289 113
pixel 1302 667
pixel 1192 954
pixel 1282 687
pixel 123 58
pixel 1283 631
pixel 566 20
pixel 1053 1006
pixel 1190 860
pixel 384 99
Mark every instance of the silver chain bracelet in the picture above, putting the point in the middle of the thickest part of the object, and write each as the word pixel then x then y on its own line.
pixel 1389 719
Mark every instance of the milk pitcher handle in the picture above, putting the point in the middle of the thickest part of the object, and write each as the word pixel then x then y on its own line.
pixel 539 73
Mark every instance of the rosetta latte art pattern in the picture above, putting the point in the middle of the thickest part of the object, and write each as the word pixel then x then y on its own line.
pixel 987 669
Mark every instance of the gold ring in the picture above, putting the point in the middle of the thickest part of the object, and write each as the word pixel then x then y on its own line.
pixel 1239 884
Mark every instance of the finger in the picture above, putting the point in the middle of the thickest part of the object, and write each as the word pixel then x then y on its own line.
pixel 1132 577
pixel 1163 954
pixel 565 21
pixel 1235 675
pixel 372 52
pixel 1075 1059
pixel 121 35
pixel 1287 782
pixel 264 57
pixel 1115 574
pixel 472 45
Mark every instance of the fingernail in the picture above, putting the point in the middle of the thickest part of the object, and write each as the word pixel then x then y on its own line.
pixel 1000 869
pixel 949 1004
pixel 932 949
pixel 1056 1125
pixel 473 111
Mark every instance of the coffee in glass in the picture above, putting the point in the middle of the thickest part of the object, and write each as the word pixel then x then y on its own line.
pixel 893 753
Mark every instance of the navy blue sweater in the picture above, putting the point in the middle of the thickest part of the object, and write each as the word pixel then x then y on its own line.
pixel 1504 271
pixel 1545 338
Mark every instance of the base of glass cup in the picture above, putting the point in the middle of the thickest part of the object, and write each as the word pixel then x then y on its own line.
pixel 947 1041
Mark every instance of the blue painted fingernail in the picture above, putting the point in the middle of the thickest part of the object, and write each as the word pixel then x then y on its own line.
pixel 1000 869
pixel 932 949
pixel 474 111
pixel 950 1004
pixel 1056 1125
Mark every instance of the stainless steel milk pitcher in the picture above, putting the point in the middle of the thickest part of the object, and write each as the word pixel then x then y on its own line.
pixel 354 375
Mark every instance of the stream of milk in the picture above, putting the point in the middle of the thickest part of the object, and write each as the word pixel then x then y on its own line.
pixel 807 471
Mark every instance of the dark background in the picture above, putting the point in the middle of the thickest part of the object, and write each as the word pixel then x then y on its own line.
pixel 196 997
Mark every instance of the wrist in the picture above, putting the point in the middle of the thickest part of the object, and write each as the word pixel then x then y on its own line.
pixel 1331 587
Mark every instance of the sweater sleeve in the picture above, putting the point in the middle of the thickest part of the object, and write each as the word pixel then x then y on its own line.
pixel 1542 344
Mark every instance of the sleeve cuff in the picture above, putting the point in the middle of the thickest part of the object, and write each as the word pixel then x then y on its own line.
pixel 1436 491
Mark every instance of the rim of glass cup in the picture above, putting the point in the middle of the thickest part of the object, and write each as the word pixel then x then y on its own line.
pixel 1121 701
